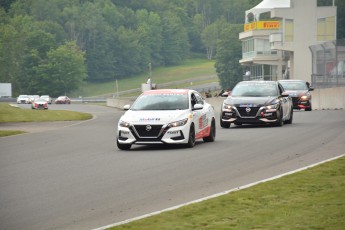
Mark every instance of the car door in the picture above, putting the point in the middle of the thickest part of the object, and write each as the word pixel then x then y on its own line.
pixel 199 115
pixel 285 103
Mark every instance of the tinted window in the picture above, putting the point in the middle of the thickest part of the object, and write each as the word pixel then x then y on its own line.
pixel 294 85
pixel 161 102
pixel 254 89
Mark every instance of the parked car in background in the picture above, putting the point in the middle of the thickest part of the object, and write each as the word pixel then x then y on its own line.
pixel 33 98
pixel 47 98
pixel 167 116
pixel 63 100
pixel 23 99
pixel 39 103
pixel 257 102
pixel 299 91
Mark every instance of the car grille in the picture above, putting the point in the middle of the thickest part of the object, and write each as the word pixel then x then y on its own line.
pixel 244 113
pixel 144 131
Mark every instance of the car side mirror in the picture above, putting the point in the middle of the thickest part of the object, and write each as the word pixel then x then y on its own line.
pixel 198 107
pixel 285 94
pixel 126 107
pixel 311 88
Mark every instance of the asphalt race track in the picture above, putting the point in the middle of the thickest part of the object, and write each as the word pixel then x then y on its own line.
pixel 74 177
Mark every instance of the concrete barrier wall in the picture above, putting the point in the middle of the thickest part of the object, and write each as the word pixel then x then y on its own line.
pixel 330 98
pixel 119 102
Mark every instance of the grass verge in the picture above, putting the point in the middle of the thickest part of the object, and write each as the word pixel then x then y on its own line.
pixel 311 199
pixel 10 113
pixel 191 69
pixel 4 133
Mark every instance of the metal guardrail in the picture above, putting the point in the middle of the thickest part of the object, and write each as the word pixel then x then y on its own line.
pixel 321 81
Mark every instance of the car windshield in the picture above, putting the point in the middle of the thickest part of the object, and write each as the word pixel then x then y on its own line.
pixel 254 89
pixel 161 102
pixel 294 85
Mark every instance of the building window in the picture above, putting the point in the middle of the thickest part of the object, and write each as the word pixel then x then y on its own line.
pixel 289 28
pixel 262 46
pixel 248 48
pixel 326 29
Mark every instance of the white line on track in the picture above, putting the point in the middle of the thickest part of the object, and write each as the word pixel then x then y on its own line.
pixel 215 195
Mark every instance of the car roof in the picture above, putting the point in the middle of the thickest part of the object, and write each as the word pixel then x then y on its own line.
pixel 168 91
pixel 291 80
pixel 258 82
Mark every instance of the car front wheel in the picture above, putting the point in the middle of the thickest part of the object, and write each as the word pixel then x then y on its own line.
pixel 290 118
pixel 280 121
pixel 191 139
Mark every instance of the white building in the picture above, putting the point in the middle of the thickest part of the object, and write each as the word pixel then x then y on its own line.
pixel 277 35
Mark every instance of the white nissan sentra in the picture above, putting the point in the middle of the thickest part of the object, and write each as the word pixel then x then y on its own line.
pixel 166 116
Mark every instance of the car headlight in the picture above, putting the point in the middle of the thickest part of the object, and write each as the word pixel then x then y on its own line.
pixel 305 97
pixel 274 106
pixel 178 123
pixel 124 124
pixel 227 107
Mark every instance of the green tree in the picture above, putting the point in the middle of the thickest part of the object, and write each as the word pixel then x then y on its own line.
pixel 131 60
pixel 149 31
pixel 13 37
pixel 176 45
pixel 37 44
pixel 229 51
pixel 64 71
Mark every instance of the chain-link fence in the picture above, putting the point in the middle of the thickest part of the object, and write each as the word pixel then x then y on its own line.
pixel 328 64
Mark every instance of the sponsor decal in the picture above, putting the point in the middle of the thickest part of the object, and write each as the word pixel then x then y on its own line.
pixel 203 133
pixel 203 121
pixel 248 105
pixel 173 132
pixel 262 25
pixel 149 119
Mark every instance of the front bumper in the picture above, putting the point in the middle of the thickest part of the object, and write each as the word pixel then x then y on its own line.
pixel 159 134
pixel 255 116
pixel 300 104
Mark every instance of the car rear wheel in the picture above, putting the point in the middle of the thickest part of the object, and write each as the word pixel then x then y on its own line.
pixel 191 139
pixel 308 109
pixel 212 135
pixel 123 146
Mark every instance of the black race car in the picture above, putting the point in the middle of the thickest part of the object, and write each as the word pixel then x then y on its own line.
pixel 299 91
pixel 257 102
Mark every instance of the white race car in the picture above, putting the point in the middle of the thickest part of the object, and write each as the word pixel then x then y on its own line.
pixel 166 116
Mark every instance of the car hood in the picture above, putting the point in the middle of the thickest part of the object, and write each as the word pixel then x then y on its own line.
pixel 40 102
pixel 158 117
pixel 253 101
pixel 296 93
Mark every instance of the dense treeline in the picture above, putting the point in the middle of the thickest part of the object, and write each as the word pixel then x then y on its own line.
pixel 51 46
